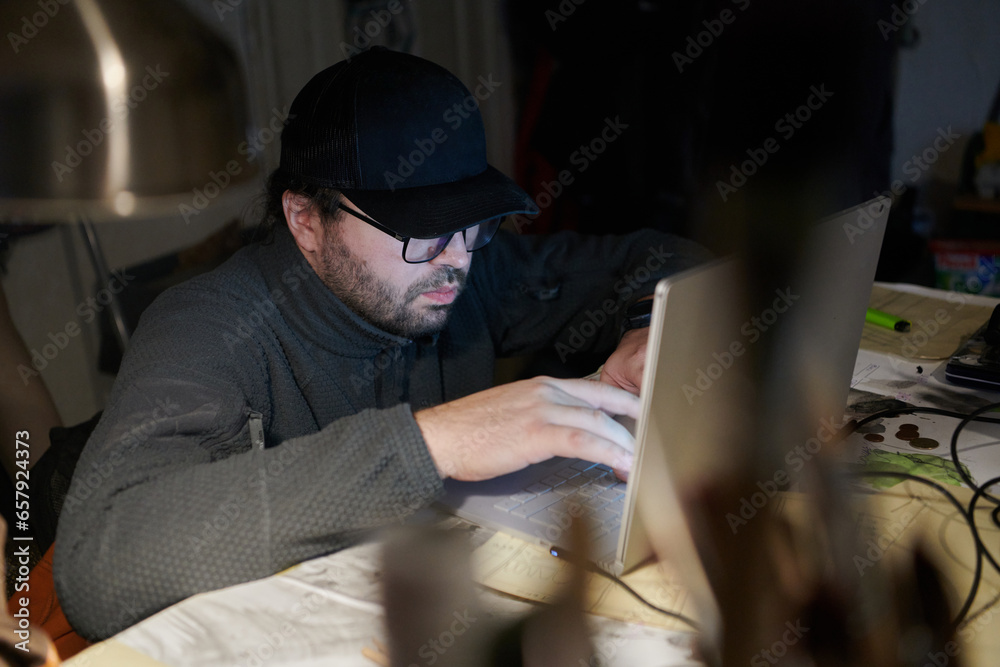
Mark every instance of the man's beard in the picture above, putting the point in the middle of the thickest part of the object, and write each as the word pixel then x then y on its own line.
pixel 377 301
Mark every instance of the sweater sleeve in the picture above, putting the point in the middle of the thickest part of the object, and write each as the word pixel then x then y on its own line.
pixel 568 291
pixel 174 495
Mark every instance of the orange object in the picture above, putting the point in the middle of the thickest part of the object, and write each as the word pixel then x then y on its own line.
pixel 991 145
pixel 45 611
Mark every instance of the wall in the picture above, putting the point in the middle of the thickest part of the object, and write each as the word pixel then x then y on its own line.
pixel 947 80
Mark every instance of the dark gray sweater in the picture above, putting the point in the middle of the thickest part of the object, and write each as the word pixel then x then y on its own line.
pixel 257 422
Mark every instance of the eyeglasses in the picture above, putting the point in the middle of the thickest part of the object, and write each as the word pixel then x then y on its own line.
pixel 417 251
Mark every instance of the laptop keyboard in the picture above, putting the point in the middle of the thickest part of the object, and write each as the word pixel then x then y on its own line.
pixel 581 490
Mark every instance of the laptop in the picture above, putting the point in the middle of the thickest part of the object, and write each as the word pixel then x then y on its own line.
pixel 700 339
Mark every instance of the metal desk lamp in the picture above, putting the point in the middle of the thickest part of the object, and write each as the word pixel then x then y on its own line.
pixel 115 110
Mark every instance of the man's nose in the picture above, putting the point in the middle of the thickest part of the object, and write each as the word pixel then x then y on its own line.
pixel 454 254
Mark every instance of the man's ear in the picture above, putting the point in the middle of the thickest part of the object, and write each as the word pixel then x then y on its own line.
pixel 304 221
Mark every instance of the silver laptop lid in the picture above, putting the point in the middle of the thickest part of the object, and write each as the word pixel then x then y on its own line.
pixel 703 399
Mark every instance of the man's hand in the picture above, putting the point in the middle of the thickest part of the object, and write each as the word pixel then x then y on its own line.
pixel 509 427
pixel 624 367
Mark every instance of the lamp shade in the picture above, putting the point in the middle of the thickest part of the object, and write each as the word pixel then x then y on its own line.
pixel 116 109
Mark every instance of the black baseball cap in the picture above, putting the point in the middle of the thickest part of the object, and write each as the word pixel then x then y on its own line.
pixel 403 139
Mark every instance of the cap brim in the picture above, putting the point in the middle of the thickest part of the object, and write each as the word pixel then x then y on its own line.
pixel 435 210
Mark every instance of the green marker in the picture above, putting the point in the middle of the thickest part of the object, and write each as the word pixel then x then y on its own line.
pixel 886 320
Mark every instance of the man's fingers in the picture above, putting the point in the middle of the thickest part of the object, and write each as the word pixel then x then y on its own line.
pixel 619 382
pixel 593 421
pixel 598 395
pixel 583 428
pixel 580 444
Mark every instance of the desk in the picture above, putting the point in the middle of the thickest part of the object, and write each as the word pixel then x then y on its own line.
pixel 326 611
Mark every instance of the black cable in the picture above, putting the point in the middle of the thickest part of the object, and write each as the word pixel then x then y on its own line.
pixel 895 412
pixel 973 416
pixel 980 549
pixel 980 491
pixel 975 529
pixel 631 591
pixel 591 566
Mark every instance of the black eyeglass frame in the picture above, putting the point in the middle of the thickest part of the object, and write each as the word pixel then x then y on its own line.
pixel 406 239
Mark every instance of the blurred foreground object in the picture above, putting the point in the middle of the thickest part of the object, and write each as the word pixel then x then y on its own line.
pixel 433 615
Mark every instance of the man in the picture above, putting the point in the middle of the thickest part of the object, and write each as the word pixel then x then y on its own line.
pixel 321 385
